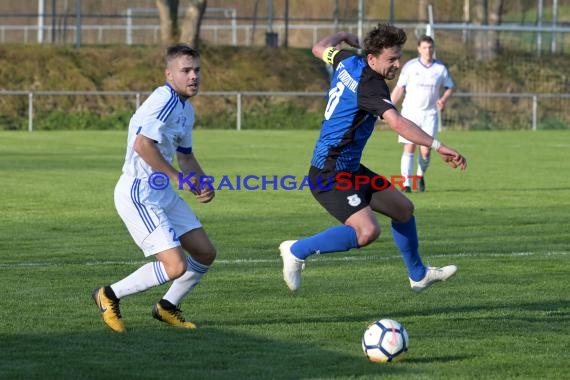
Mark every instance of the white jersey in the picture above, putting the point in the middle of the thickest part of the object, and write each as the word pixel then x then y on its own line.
pixel 423 84
pixel 166 119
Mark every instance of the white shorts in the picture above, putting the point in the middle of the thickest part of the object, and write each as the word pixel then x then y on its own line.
pixel 154 218
pixel 426 120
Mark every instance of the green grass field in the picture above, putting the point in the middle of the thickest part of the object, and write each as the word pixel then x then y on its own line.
pixel 505 222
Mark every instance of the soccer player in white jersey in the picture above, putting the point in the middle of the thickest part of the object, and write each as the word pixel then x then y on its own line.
pixel 158 219
pixel 421 79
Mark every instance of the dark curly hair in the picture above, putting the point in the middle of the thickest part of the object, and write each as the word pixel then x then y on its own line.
pixel 383 36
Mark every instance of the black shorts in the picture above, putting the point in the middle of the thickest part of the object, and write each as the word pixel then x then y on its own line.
pixel 344 193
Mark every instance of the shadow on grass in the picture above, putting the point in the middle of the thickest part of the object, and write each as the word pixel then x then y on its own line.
pixel 178 354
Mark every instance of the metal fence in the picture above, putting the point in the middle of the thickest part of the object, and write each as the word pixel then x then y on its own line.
pixel 479 111
pixel 532 38
pixel 299 34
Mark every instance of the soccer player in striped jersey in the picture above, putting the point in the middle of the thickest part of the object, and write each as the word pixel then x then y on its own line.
pixel 357 98
pixel 422 80
pixel 158 219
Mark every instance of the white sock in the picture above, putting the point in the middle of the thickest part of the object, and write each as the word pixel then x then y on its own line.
pixel 406 167
pixel 183 284
pixel 146 277
pixel 422 164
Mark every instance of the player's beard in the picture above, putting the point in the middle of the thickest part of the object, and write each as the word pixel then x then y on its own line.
pixel 391 74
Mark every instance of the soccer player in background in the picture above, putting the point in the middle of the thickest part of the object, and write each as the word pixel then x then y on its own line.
pixel 421 79
pixel 358 96
pixel 158 219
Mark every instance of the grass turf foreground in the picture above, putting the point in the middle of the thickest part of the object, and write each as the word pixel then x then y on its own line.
pixel 504 222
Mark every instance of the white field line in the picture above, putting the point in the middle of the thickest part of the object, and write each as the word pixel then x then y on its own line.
pixel 330 257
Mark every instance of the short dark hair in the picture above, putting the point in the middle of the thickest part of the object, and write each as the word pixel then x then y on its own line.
pixel 426 38
pixel 178 50
pixel 383 36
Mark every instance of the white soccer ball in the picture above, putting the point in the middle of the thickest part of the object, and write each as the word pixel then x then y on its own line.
pixel 385 341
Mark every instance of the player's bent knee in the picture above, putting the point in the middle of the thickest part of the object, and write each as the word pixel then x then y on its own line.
pixel 405 212
pixel 205 257
pixel 367 235
pixel 175 270
pixel 210 256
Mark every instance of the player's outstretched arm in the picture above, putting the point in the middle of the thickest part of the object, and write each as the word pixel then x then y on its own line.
pixel 450 156
pixel 412 132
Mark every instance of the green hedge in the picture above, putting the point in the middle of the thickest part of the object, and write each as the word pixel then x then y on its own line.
pixel 266 114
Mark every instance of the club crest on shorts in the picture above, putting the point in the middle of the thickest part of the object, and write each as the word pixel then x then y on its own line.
pixel 354 200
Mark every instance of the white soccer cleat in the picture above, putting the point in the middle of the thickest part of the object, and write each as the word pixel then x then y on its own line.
pixel 292 266
pixel 433 274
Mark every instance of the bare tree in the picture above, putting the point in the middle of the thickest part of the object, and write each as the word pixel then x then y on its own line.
pixel 466 12
pixel 487 42
pixel 495 18
pixel 189 32
pixel 422 10
pixel 480 18
pixel 168 13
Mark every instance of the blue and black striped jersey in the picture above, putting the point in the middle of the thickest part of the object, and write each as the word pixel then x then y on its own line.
pixel 357 97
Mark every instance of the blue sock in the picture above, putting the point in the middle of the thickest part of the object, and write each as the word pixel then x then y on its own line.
pixel 406 239
pixel 335 239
